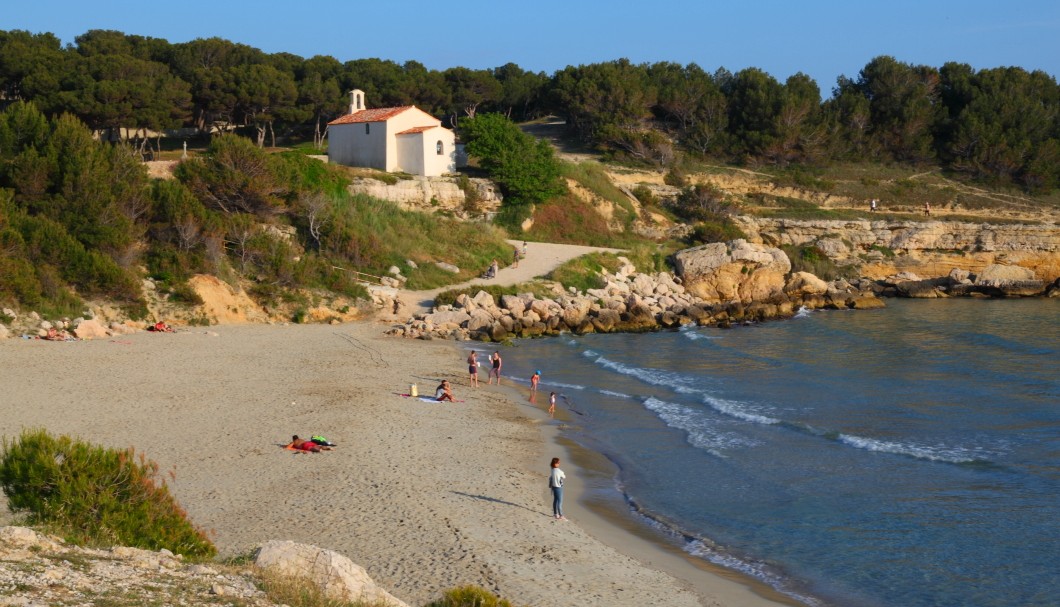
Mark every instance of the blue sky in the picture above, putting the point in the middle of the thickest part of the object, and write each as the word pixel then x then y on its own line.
pixel 821 38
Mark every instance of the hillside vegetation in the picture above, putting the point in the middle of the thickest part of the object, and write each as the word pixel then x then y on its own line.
pixel 81 219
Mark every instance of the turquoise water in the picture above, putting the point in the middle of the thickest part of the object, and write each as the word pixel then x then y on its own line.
pixel 893 458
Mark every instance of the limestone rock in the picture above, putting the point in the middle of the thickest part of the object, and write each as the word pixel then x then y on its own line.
pixel 804 283
pixel 448 267
pixel 336 575
pixel 734 271
pixel 90 329
pixel 997 275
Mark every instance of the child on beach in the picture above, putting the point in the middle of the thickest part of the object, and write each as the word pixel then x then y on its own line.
pixel 555 482
pixel 534 379
pixel 552 405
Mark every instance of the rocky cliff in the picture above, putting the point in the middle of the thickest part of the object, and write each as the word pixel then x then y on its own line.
pixel 929 249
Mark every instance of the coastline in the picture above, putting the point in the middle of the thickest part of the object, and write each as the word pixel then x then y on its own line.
pixel 608 519
pixel 424 496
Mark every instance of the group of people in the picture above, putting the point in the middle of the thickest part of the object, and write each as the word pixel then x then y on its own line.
pixel 494 267
pixel 473 364
pixel 444 392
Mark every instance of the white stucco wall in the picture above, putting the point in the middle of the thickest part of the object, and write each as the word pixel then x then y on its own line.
pixel 348 144
pixel 418 152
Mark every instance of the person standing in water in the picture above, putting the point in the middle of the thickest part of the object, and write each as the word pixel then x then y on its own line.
pixel 555 482
pixel 534 379
pixel 552 405
pixel 495 360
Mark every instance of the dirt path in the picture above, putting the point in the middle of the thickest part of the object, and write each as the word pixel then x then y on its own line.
pixel 541 258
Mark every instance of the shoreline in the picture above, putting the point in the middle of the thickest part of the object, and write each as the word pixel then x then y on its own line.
pixel 609 521
pixel 425 496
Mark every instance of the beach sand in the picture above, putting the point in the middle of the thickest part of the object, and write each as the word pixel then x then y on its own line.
pixel 425 496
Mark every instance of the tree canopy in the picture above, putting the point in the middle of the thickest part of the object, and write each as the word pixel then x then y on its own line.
pixel 999 125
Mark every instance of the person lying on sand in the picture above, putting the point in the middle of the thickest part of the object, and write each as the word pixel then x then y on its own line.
pixel 299 444
pixel 54 334
pixel 444 391
pixel 161 327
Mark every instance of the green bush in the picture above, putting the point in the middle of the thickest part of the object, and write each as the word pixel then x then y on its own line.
pixel 496 291
pixel 469 596
pixel 95 495
pixel 583 272
pixel 813 260
pixel 722 229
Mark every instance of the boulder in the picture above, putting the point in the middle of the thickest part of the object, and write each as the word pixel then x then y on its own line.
pixel 90 329
pixel 448 267
pixel 804 283
pixel 997 275
pixel 337 576
pixel 484 300
pixel 455 317
pixel 4 333
pixel 734 271
pixel 606 320
pixel 480 320
pixel 517 305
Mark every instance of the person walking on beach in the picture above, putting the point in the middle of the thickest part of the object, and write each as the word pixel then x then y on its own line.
pixel 534 379
pixel 472 368
pixel 495 360
pixel 524 249
pixel 555 482
pixel 552 405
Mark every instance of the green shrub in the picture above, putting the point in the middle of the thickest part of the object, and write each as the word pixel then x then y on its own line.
pixel 644 194
pixel 722 229
pixel 95 495
pixel 449 297
pixel 583 272
pixel 469 596
pixel 676 177
pixel 813 260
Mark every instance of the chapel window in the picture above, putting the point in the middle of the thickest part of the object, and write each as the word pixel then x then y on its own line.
pixel 366 125
pixel 440 148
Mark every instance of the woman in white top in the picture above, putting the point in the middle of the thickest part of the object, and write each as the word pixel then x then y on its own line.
pixel 555 482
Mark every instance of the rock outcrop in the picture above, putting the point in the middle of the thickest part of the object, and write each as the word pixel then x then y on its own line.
pixel 1012 260
pixel 37 569
pixel 735 271
pixel 433 194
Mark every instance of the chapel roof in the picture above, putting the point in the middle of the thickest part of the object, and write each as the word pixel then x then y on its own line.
pixel 418 129
pixel 373 115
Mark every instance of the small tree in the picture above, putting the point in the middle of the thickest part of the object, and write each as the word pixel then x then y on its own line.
pixel 524 167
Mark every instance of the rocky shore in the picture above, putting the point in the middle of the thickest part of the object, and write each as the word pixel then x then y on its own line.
pixel 714 284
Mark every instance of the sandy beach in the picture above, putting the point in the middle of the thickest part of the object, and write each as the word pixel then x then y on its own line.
pixel 425 496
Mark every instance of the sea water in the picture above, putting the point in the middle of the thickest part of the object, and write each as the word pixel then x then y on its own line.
pixel 901 457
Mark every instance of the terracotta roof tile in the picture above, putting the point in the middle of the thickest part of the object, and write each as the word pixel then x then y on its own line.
pixel 418 129
pixel 373 115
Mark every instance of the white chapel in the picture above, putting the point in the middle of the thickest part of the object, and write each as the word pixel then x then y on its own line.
pixel 391 139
